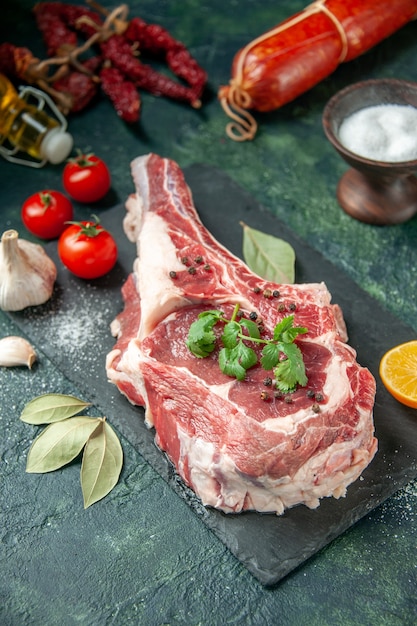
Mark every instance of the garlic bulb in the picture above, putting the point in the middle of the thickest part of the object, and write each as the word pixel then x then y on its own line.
pixel 27 274
pixel 16 351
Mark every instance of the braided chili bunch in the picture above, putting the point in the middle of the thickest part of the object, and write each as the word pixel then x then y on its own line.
pixel 113 65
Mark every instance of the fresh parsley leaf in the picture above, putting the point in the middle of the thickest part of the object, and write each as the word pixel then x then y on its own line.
pixel 235 361
pixel 280 354
pixel 247 356
pixel 230 334
pixel 290 370
pixel 285 331
pixel 270 356
pixel 251 327
pixel 214 314
pixel 201 337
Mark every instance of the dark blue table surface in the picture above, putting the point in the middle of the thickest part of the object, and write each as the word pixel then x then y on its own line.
pixel 142 555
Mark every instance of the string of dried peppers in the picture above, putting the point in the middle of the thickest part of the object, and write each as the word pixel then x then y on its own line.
pixel 295 55
pixel 113 65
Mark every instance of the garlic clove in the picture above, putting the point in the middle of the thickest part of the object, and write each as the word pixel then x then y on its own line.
pixel 27 274
pixel 16 351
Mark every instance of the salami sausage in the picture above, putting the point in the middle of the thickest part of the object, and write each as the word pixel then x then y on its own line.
pixel 291 58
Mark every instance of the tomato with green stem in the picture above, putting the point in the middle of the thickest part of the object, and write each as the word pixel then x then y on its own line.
pixel 46 213
pixel 86 178
pixel 87 249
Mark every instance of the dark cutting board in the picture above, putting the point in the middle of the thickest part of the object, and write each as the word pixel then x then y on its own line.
pixel 76 325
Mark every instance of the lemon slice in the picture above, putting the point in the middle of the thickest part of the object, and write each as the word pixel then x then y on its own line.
pixel 398 371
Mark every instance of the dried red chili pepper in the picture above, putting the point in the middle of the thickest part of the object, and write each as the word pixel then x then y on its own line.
pixel 19 64
pixel 156 40
pixel 79 18
pixel 122 93
pixel 16 61
pixel 57 36
pixel 80 87
pixel 119 52
pixel 74 83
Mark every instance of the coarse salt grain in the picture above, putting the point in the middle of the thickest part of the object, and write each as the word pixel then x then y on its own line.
pixel 385 132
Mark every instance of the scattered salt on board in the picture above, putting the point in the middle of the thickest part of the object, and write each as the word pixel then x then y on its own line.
pixel 385 132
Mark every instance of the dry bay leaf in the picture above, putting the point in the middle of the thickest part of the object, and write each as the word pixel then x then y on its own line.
pixel 268 256
pixel 52 407
pixel 60 443
pixel 101 465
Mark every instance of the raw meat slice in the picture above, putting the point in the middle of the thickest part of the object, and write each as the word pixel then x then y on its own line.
pixel 236 444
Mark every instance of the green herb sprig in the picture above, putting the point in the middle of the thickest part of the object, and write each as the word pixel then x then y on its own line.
pixel 66 436
pixel 279 354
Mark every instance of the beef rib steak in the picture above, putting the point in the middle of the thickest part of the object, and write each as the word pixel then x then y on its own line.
pixel 237 444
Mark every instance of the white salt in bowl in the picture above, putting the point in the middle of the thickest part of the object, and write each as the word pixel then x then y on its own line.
pixel 392 97
pixel 380 187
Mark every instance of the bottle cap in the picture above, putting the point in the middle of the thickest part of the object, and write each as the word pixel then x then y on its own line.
pixel 56 146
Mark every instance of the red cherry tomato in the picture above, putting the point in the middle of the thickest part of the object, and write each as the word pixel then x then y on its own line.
pixel 86 178
pixel 44 213
pixel 87 249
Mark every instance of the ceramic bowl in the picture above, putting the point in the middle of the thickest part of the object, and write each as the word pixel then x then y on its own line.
pixel 377 192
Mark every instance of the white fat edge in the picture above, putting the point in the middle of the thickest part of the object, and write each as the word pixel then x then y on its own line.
pixel 233 298
pixel 129 369
pixel 340 323
pixel 206 465
pixel 132 221
pixel 264 493
pixel 115 327
pixel 201 459
pixel 117 377
pixel 330 338
pixel 111 356
pixel 263 500
pixel 322 296
pixel 332 484
pixel 337 386
pixel 141 178
pixel 159 295
pixel 288 424
pixel 223 390
pixel 348 462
